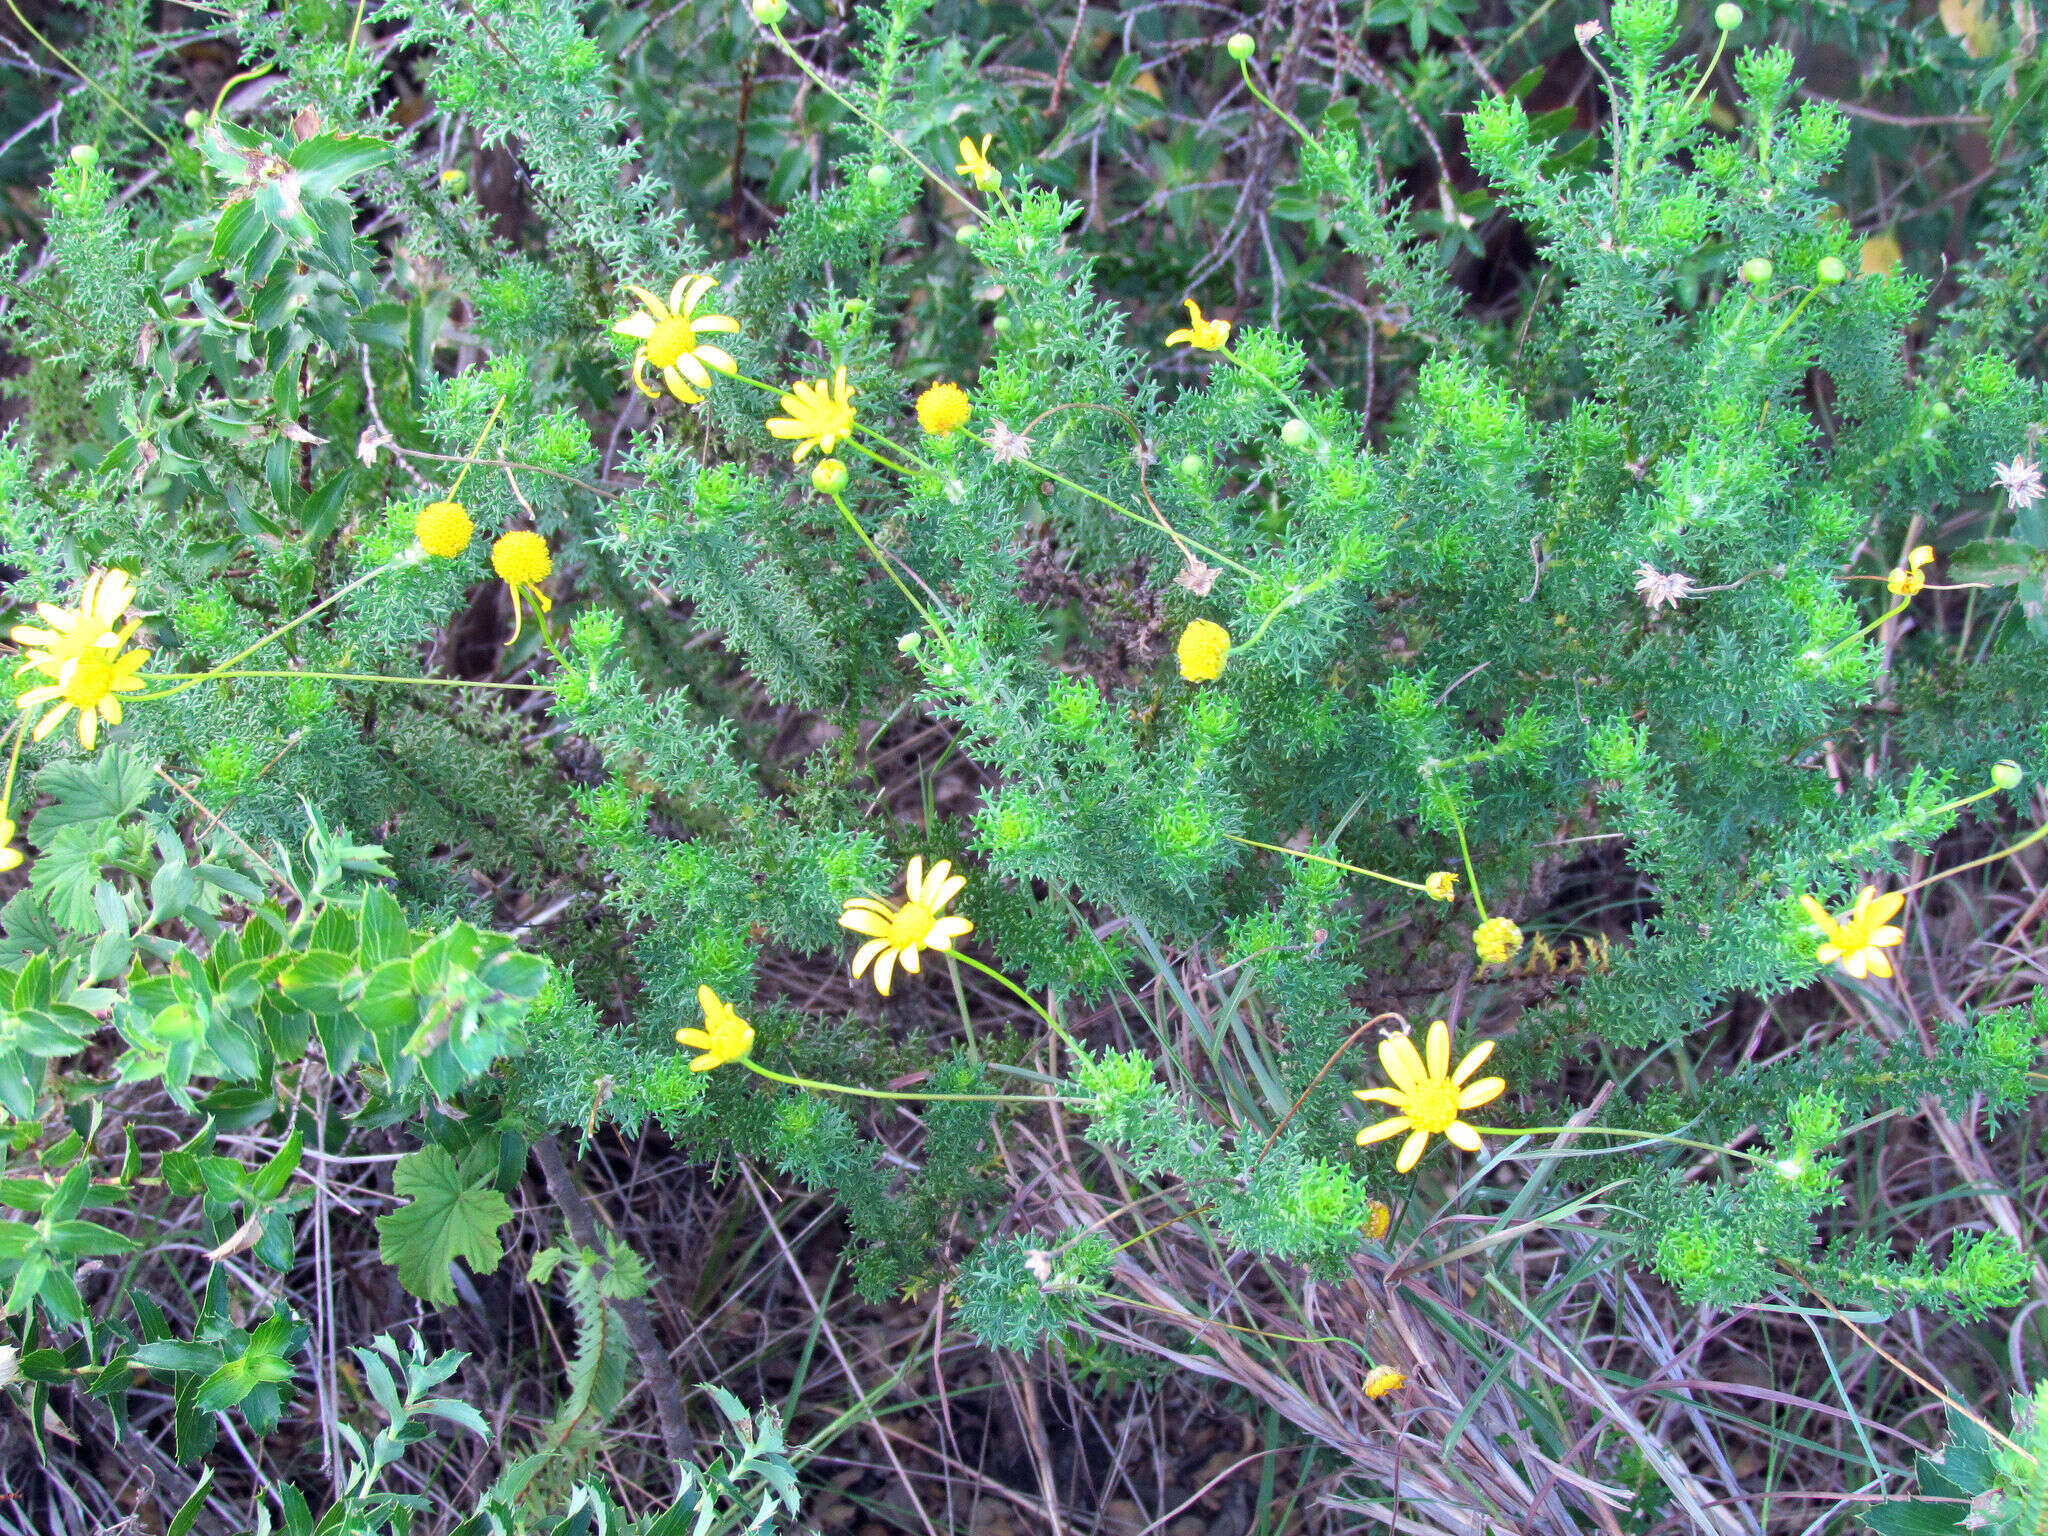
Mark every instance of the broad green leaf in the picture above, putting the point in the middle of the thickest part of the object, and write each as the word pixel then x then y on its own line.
pixel 1994 562
pixel 449 1218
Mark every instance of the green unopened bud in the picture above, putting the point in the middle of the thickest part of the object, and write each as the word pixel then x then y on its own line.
pixel 1192 466
pixel 1002 323
pixel 193 118
pixel 911 642
pixel 84 156
pixel 454 181
pixel 829 477
pixel 1297 433
pixel 1727 16
pixel 1940 410
pixel 1831 270
pixel 770 12
pixel 1240 46
pixel 1757 271
pixel 2006 773
pixel 878 176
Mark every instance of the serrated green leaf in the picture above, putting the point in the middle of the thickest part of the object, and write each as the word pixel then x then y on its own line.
pixel 447 1219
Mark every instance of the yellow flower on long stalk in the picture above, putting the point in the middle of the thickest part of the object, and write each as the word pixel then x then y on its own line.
pixel 1203 335
pixel 899 933
pixel 1857 940
pixel 11 857
pixel 974 164
pixel 1907 580
pixel 1429 1094
pixel 725 1036
pixel 89 684
pixel 820 415
pixel 74 631
pixel 522 558
pixel 668 334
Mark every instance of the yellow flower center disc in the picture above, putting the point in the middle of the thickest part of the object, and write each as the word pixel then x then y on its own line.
pixel 910 925
pixel 669 340
pixel 1432 1104
pixel 91 681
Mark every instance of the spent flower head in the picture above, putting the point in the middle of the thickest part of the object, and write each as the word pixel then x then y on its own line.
pixel 1662 589
pixel 898 934
pixel 1442 885
pixel 1428 1094
pixel 669 338
pixel 820 415
pixel 1382 1379
pixel 725 1036
pixel 1007 447
pixel 2020 478
pixel 1858 939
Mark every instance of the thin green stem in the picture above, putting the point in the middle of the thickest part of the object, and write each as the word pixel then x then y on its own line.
pixel 463 473
pixel 1615 1130
pixel 995 975
pixel 13 760
pixel 816 1086
pixel 1719 44
pixel 2028 841
pixel 1796 313
pixel 1356 869
pixel 105 95
pixel 889 570
pixel 193 679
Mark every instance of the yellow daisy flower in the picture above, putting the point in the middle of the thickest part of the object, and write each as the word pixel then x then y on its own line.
pixel 1857 940
pixel 820 415
pixel 11 857
pixel 522 558
pixel 974 164
pixel 72 632
pixel 88 684
pixel 898 933
pixel 942 409
pixel 1907 580
pixel 1382 1379
pixel 1203 650
pixel 1204 335
pixel 667 334
pixel 1497 940
pixel 725 1036
pixel 1429 1095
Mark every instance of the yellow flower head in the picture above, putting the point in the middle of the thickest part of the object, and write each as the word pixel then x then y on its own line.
pixel 522 558
pixel 820 415
pixel 1204 648
pixel 1497 940
pixel 1204 335
pixel 898 933
pixel 1441 886
pixel 1379 1218
pixel 88 684
pixel 1382 1379
pixel 668 333
pixel 725 1036
pixel 443 529
pixel 1429 1095
pixel 1907 580
pixel 74 631
pixel 942 409
pixel 10 856
pixel 1857 940
pixel 974 164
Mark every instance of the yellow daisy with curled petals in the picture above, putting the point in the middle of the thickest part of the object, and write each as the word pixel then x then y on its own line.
pixel 11 857
pixel 725 1036
pixel 668 336
pixel 1203 335
pixel 89 684
pixel 74 631
pixel 975 165
pixel 899 933
pixel 1429 1094
pixel 1857 940
pixel 1907 580
pixel 521 557
pixel 820 415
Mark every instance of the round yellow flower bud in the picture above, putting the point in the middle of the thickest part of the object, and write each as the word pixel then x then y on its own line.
pixel 1204 648
pixel 443 528
pixel 942 409
pixel 1497 940
pixel 2006 773
pixel 1382 1379
pixel 522 558
pixel 828 477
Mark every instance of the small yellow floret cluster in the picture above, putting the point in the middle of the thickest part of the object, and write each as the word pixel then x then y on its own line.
pixel 1497 940
pixel 1203 650
pixel 943 409
pixel 443 529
